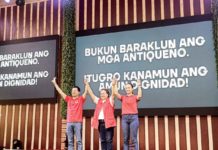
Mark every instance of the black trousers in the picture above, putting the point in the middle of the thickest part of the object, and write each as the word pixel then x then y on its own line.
pixel 106 136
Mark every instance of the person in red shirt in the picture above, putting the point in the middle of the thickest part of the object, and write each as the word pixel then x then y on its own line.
pixel 74 114
pixel 104 119
pixel 130 121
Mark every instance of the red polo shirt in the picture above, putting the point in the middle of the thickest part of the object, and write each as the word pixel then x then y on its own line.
pixel 74 108
pixel 129 104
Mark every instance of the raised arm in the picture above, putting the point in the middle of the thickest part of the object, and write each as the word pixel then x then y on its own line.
pixel 63 95
pixel 86 90
pixel 115 90
pixel 92 95
pixel 139 96
pixel 114 81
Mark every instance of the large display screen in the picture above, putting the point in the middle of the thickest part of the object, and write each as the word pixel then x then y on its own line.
pixel 176 64
pixel 27 67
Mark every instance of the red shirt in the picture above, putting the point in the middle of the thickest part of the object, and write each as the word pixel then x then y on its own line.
pixel 129 104
pixel 74 108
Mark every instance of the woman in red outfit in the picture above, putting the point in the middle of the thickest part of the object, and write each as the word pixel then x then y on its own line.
pixel 104 119
pixel 130 121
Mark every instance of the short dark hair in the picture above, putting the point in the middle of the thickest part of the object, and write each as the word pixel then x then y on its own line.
pixel 107 91
pixel 78 88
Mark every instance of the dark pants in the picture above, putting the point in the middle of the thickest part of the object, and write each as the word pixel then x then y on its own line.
pixel 106 136
pixel 130 125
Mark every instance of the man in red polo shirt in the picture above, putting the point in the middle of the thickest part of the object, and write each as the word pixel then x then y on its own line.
pixel 74 114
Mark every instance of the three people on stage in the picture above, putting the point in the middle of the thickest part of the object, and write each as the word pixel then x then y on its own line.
pixel 103 119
